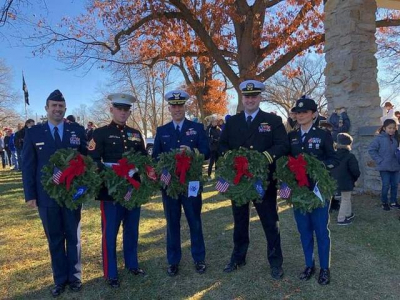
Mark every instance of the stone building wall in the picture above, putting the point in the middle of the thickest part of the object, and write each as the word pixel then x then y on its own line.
pixel 351 75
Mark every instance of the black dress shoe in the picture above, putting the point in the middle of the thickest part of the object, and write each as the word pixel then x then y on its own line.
pixel 172 270
pixel 113 283
pixel 137 271
pixel 57 290
pixel 276 273
pixel 232 266
pixel 200 267
pixel 307 273
pixel 324 277
pixel 75 286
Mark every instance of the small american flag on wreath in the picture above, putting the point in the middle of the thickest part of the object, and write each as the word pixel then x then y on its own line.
pixel 128 195
pixel 285 191
pixel 165 177
pixel 56 175
pixel 222 185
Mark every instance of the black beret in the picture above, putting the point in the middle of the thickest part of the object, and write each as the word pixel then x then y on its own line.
pixel 56 96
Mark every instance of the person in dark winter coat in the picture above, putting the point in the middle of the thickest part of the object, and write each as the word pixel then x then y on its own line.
pixel 383 151
pixel 340 122
pixel 214 133
pixel 346 174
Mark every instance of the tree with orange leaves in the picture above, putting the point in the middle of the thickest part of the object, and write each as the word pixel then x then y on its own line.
pixel 245 40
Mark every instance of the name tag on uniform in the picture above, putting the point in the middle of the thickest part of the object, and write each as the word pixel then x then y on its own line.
pixel 39 144
pixel 114 137
pixel 264 127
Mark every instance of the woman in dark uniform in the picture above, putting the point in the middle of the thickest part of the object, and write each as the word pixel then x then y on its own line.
pixel 310 139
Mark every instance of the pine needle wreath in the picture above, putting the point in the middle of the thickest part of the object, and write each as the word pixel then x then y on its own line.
pixel 245 190
pixel 168 163
pixel 83 187
pixel 123 191
pixel 303 198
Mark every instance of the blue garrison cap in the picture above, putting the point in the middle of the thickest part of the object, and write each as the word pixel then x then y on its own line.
pixel 304 104
pixel 56 96
pixel 251 87
pixel 176 97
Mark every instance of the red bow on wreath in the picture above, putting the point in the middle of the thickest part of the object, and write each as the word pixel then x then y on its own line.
pixel 298 167
pixel 76 168
pixel 150 172
pixel 123 169
pixel 182 166
pixel 241 164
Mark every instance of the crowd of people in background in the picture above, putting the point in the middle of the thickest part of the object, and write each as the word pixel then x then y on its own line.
pixel 12 142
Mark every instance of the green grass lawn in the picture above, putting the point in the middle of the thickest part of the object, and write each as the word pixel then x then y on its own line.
pixel 365 255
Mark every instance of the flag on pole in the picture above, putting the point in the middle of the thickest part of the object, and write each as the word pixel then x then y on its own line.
pixel 222 185
pixel 165 177
pixel 25 89
pixel 284 191
pixel 317 192
pixel 56 175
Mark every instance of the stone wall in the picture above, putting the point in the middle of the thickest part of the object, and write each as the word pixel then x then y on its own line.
pixel 351 75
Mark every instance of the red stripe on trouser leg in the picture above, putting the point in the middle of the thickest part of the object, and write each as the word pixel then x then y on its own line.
pixel 104 240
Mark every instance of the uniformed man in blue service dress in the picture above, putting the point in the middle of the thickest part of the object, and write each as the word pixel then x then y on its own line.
pixel 106 147
pixel 181 133
pixel 61 225
pixel 311 139
pixel 264 132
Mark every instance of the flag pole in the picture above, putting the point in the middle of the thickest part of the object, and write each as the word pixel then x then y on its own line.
pixel 25 89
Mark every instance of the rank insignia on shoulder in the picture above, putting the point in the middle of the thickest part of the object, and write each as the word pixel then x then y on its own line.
pixel 92 145
pixel 264 127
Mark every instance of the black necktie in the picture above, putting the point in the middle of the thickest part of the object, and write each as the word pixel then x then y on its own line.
pixel 177 130
pixel 249 121
pixel 57 138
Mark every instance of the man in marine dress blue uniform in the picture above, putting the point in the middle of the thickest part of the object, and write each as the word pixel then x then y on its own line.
pixel 263 132
pixel 61 225
pixel 181 133
pixel 106 147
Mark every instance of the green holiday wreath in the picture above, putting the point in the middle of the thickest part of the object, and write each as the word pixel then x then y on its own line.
pixel 301 175
pixel 70 178
pixel 177 168
pixel 133 181
pixel 246 173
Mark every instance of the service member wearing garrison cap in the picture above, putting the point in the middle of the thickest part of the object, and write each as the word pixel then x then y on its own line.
pixel 106 148
pixel 61 225
pixel 312 140
pixel 181 133
pixel 264 132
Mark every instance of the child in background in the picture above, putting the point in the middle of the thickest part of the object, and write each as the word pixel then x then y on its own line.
pixel 383 152
pixel 346 174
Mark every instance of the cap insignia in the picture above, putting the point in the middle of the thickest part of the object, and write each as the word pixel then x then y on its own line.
pixel 250 86
pixel 301 104
pixel 177 96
